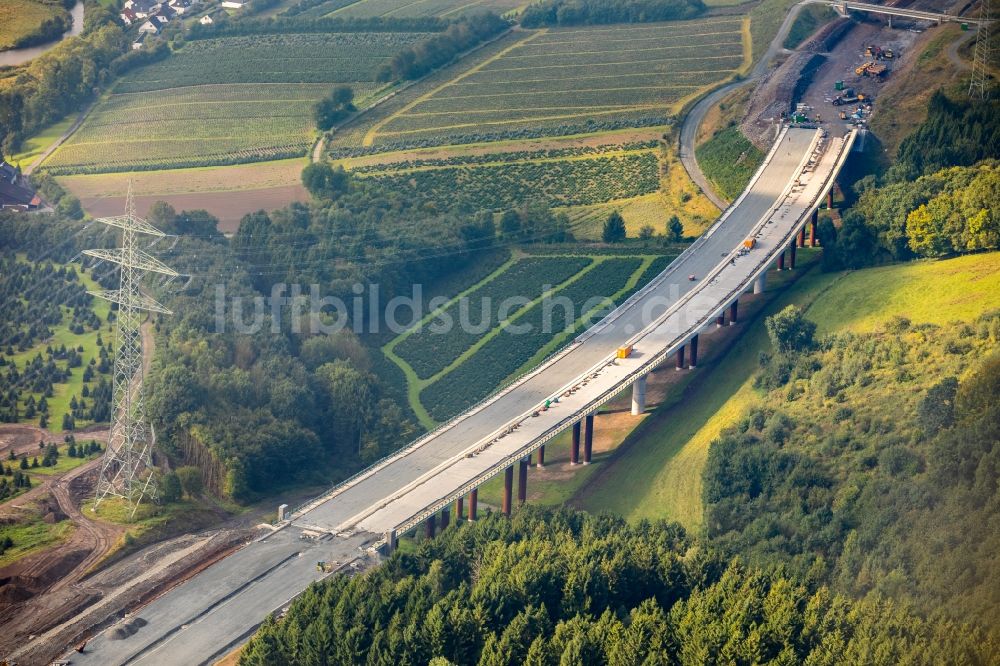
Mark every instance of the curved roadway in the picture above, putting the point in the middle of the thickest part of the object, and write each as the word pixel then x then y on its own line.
pixel 203 618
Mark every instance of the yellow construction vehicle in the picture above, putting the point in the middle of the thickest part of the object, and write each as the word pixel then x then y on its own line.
pixel 624 352
pixel 860 71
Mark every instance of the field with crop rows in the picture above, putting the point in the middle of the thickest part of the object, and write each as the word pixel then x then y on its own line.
pixel 430 350
pixel 573 80
pixel 224 101
pixel 503 355
pixel 570 177
pixel 443 8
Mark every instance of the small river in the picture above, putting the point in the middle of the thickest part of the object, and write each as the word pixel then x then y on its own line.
pixel 21 56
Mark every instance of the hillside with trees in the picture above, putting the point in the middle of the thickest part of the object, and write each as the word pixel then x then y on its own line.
pixel 939 198
pixel 870 464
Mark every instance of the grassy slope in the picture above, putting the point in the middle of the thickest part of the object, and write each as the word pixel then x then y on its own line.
pixel 903 102
pixel 666 456
pixel 729 161
pixel 765 19
pixel 36 145
pixel 809 19
pixel 31 536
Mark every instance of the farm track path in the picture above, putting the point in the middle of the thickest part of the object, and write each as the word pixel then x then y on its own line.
pixel 694 118
pixel 58 142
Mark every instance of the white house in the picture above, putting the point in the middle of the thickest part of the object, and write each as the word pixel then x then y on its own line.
pixel 152 26
pixel 206 20
pixel 234 4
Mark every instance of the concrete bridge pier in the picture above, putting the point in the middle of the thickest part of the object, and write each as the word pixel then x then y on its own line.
pixel 812 228
pixel 508 488
pixel 541 456
pixel 680 358
pixel 445 518
pixel 694 351
pixel 802 236
pixel 829 199
pixel 760 284
pixel 473 504
pixel 639 396
pixel 522 481
pixel 588 439
pixel 391 542
pixel 791 256
pixel 574 455
pixel 733 307
pixel 459 509
pixel 430 527
pixel 720 321
pixel 781 260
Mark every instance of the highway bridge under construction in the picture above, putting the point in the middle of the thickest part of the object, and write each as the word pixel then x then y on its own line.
pixel 437 476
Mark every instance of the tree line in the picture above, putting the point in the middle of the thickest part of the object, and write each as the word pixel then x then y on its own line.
pixel 419 59
pixel 591 12
pixel 549 588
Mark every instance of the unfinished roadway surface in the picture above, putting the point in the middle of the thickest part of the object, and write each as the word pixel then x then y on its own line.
pixel 208 615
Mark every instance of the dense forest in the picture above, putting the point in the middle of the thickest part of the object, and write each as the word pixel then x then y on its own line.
pixel 940 197
pixel 588 12
pixel 565 588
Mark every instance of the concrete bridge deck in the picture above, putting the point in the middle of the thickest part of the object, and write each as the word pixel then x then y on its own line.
pixel 205 617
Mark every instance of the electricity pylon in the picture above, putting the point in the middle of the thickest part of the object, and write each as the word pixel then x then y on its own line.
pixel 126 470
pixel 981 55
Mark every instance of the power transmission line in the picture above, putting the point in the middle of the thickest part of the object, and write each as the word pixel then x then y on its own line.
pixel 981 55
pixel 126 468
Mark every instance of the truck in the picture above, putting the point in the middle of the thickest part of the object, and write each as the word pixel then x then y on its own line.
pixel 750 243
pixel 624 352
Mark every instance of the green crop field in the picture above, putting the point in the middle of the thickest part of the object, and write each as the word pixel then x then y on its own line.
pixel 572 177
pixel 398 8
pixel 225 101
pixel 445 371
pixel 536 332
pixel 431 349
pixel 574 80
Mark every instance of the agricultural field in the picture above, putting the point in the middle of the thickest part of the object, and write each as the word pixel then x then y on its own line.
pixel 402 8
pixel 197 109
pixel 509 351
pixel 431 349
pixel 571 81
pixel 568 177
pixel 444 372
